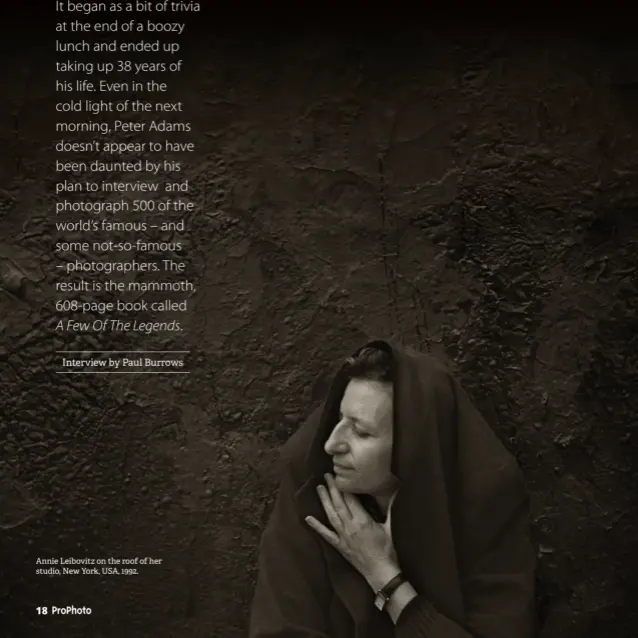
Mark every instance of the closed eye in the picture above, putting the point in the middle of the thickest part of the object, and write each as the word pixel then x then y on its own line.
pixel 355 422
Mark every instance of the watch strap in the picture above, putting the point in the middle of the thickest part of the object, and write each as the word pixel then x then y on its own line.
pixel 385 593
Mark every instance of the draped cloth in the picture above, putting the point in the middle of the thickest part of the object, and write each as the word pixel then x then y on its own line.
pixel 460 524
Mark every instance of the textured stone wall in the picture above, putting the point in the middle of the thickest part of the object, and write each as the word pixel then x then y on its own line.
pixel 473 193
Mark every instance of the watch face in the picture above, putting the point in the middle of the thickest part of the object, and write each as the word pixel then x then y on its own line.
pixel 379 602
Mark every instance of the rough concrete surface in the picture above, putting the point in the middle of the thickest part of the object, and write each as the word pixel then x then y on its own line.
pixel 473 193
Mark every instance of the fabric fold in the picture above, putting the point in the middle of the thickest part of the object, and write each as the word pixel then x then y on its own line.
pixel 460 519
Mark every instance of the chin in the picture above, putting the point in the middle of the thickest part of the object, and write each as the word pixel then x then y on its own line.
pixel 344 484
pixel 348 486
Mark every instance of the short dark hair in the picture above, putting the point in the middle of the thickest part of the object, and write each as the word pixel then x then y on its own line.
pixel 370 363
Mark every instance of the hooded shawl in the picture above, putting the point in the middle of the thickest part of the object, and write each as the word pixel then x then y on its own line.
pixel 460 524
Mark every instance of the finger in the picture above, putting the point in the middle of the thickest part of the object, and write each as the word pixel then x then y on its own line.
pixel 388 520
pixel 387 525
pixel 329 509
pixel 337 499
pixel 357 510
pixel 324 532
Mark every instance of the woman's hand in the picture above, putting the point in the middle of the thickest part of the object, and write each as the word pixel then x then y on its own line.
pixel 364 543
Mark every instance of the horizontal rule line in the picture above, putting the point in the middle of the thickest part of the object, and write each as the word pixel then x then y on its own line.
pixel 123 351
pixel 96 372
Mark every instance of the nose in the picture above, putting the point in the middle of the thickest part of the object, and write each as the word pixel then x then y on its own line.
pixel 336 443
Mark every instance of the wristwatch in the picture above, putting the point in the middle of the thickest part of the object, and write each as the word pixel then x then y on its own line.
pixel 382 597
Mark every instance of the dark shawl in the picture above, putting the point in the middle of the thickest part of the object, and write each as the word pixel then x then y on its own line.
pixel 459 523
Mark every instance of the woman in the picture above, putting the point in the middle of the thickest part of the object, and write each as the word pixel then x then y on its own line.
pixel 399 513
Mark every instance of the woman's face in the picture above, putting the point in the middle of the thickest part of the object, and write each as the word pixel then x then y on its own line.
pixel 361 442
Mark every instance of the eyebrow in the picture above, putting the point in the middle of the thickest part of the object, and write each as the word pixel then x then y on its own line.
pixel 356 419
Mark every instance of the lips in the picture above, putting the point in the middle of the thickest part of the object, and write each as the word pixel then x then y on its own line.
pixel 341 468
